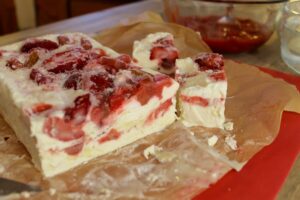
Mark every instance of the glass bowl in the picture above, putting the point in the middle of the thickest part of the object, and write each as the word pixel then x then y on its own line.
pixel 227 26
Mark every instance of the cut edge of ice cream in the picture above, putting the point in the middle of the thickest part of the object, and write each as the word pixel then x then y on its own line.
pixel 201 98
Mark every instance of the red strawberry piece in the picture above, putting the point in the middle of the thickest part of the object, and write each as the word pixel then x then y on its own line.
pixel 120 64
pixel 125 58
pixel 99 113
pixel 145 93
pixel 108 61
pixel 115 101
pixel 113 65
pixel 41 107
pixel 96 53
pixel 62 40
pixel 220 76
pixel 39 77
pixel 86 44
pixel 160 77
pixel 113 134
pixel 14 64
pixel 75 149
pixel 62 130
pixel 100 82
pixel 166 56
pixel 149 88
pixel 73 82
pixel 119 96
pixel 168 63
pixel 66 61
pixel 158 52
pixel 210 61
pixel 78 112
pixel 44 44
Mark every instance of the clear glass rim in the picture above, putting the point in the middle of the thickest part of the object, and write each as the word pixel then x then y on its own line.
pixel 290 9
pixel 246 1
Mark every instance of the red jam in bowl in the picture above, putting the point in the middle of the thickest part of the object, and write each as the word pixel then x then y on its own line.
pixel 233 36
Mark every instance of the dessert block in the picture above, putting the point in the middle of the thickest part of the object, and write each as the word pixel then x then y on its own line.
pixel 69 99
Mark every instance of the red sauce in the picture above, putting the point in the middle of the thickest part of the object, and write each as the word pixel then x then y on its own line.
pixel 234 37
pixel 159 111
pixel 195 100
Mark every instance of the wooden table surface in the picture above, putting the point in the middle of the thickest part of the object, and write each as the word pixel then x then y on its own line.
pixel 267 56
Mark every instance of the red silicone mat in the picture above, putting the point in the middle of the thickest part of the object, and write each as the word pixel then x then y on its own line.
pixel 263 176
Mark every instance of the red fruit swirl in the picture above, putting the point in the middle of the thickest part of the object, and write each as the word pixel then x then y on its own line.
pixel 161 110
pixel 113 134
pixel 200 101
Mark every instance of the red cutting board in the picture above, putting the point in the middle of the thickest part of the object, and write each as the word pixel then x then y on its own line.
pixel 262 177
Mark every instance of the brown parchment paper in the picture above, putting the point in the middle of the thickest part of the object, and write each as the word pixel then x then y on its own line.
pixel 185 165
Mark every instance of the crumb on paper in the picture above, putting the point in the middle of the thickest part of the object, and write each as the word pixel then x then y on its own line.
pixel 231 142
pixel 2 169
pixel 212 140
pixel 214 175
pixel 164 156
pixel 151 151
pixel 228 126
pixel 159 154
pixel 25 195
pixel 52 191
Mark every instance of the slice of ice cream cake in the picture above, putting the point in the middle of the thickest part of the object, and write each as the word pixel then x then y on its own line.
pixel 201 98
pixel 69 99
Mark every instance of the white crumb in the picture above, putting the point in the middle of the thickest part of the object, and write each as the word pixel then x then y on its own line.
pixel 231 142
pixel 212 140
pixel 52 191
pixel 25 195
pixel 214 175
pixel 2 169
pixel 228 126
pixel 159 154
pixel 164 156
pixel 151 150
